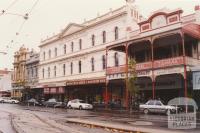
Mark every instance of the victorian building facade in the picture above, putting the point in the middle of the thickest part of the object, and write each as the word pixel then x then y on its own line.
pixel 166 48
pixel 19 78
pixel 90 60
pixel 73 62
pixel 31 76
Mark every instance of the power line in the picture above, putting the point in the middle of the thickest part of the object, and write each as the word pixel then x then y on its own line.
pixel 9 6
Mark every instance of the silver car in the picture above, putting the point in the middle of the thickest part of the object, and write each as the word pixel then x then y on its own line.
pixel 156 106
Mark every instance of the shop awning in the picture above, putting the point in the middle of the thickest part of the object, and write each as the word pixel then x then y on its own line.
pixel 193 30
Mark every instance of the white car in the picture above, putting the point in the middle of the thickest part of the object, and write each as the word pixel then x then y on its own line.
pixel 79 104
pixel 156 106
pixel 8 100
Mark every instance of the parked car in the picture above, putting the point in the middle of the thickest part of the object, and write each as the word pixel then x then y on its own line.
pixel 52 103
pixel 8 100
pixel 156 106
pixel 33 101
pixel 79 104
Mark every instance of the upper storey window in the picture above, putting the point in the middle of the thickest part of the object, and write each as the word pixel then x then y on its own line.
pixel 93 40
pixel 65 49
pixel 44 54
pixel 103 62
pixel 104 36
pixel 80 44
pixel 56 52
pixel 92 63
pixel 116 33
pixel 72 46
pixel 49 53
pixel 79 66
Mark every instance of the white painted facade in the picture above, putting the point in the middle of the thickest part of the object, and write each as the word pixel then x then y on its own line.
pixel 73 33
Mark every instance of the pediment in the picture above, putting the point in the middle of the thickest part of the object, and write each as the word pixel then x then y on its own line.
pixel 71 28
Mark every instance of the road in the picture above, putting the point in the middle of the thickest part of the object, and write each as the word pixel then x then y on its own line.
pixel 49 120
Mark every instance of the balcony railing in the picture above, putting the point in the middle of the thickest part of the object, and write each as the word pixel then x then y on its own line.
pixel 176 61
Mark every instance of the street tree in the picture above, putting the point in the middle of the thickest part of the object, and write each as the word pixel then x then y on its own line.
pixel 132 82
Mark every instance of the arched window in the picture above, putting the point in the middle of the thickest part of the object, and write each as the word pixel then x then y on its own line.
pixel 79 66
pixel 64 69
pixel 49 53
pixel 103 62
pixel 116 33
pixel 43 72
pixel 104 36
pixel 92 63
pixel 49 72
pixel 65 49
pixel 71 66
pixel 43 55
pixel 56 52
pixel 93 40
pixel 116 58
pixel 80 44
pixel 54 71
pixel 72 46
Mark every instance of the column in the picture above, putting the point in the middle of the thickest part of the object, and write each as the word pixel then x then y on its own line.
pixel 127 91
pixel 153 77
pixel 184 62
pixel 106 89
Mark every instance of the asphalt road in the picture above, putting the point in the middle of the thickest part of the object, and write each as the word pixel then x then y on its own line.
pixel 60 116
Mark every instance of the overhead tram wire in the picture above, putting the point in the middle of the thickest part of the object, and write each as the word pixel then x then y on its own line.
pixel 9 6
pixel 26 16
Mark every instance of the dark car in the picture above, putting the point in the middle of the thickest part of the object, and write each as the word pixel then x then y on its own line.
pixel 52 103
pixel 34 102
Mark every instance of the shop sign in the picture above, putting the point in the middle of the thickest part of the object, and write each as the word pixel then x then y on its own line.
pixel 83 82
pixel 116 76
pixel 196 80
pixel 168 62
pixel 169 71
pixel 142 66
pixel 119 69
pixel 61 90
pixel 147 73
pixel 46 90
pixel 57 90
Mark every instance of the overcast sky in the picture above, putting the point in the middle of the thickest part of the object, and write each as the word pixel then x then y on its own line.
pixel 50 16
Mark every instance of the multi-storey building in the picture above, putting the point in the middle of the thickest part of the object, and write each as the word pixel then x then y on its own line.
pixel 18 82
pixel 73 62
pixel 166 48
pixel 90 60
pixel 31 84
pixel 5 80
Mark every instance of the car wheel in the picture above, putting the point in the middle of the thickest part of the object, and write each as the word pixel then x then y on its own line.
pixel 13 102
pixel 146 111
pixel 70 107
pixel 80 107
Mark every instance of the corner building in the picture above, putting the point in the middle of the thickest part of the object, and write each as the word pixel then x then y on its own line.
pixel 73 62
